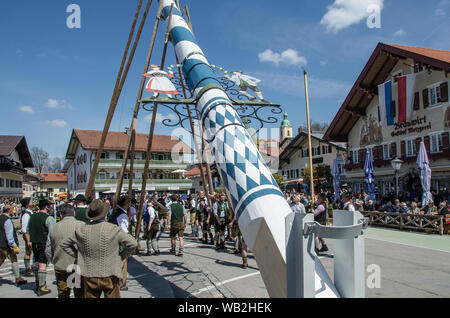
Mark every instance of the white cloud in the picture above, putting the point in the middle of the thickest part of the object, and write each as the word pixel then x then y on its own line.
pixel 400 32
pixel 26 109
pixel 54 103
pixel 57 123
pixel 439 12
pixel 344 13
pixel 324 63
pixel 288 57
pixel 160 118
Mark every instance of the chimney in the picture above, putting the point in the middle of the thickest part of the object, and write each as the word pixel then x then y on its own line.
pixel 300 130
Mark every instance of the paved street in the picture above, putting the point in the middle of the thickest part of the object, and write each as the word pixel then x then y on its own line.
pixel 412 265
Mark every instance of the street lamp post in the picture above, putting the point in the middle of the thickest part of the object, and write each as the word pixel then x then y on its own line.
pixel 396 164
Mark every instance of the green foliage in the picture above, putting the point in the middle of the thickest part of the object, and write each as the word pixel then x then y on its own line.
pixel 279 179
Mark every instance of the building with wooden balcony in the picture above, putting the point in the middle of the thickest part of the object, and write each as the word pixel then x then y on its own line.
pixel 295 157
pixel 361 124
pixel 14 159
pixel 169 157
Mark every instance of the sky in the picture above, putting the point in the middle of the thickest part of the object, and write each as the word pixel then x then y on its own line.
pixel 54 79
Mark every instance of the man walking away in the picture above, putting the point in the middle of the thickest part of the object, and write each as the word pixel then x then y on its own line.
pixel 320 216
pixel 25 218
pixel 38 227
pixel 57 256
pixel 177 223
pixel 101 247
pixel 151 230
pixel 80 208
pixel 9 243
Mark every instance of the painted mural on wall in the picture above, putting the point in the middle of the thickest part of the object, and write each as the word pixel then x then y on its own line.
pixel 371 132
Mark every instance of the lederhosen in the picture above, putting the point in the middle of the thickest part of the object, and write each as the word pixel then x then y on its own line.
pixel 154 228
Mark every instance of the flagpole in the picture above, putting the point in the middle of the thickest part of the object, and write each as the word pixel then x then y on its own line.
pixel 311 168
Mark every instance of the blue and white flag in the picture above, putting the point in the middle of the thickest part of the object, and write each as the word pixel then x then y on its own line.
pixel 336 180
pixel 369 179
pixel 385 101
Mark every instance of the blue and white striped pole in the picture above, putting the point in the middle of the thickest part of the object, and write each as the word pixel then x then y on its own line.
pixel 259 205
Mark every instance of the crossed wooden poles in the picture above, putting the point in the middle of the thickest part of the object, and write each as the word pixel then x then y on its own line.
pixel 130 147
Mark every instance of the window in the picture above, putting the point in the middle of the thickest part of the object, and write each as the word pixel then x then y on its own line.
pixel 119 156
pixel 436 143
pixel 50 189
pixel 62 189
pixel 418 68
pixel 7 183
pixel 102 176
pixel 105 155
pixel 2 182
pixel 386 152
pixel 434 95
pixel 411 148
pixel 355 156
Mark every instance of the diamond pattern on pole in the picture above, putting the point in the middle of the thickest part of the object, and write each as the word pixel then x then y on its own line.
pixel 240 165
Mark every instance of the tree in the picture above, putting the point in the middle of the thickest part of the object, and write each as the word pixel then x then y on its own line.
pixel 320 172
pixel 279 179
pixel 40 159
pixel 316 127
pixel 55 165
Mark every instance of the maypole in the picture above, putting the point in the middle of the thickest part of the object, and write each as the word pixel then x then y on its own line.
pixel 259 205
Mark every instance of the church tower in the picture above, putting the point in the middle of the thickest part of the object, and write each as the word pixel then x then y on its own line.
pixel 285 129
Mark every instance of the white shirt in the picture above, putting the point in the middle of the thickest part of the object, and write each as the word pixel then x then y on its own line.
pixel 350 206
pixel 133 213
pixel 123 221
pixel 25 220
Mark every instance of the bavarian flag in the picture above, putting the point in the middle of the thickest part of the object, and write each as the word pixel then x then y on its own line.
pixel 385 101
pixel 405 97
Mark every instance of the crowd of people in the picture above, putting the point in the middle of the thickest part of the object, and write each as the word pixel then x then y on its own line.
pixel 405 202
pixel 95 238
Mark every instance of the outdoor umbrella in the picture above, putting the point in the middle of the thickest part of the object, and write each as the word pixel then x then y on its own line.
pixel 424 174
pixel 336 180
pixel 369 179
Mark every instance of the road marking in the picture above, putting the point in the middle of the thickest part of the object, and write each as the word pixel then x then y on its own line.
pixel 224 282
pixel 427 248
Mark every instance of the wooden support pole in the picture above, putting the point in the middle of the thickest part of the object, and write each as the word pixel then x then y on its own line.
pixel 150 137
pixel 131 175
pixel 311 168
pixel 115 100
pixel 112 105
pixel 138 103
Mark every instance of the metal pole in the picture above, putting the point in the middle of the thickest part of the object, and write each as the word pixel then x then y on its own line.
pixel 311 168
pixel 114 102
pixel 150 137
pixel 396 184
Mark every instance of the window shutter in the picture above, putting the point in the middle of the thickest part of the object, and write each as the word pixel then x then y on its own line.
pixel 393 150
pixel 416 101
pixel 362 156
pixel 318 151
pixel 425 98
pixel 394 108
pixel 426 141
pixel 418 140
pixel 445 142
pixel 403 149
pixel 350 157
pixel 444 92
